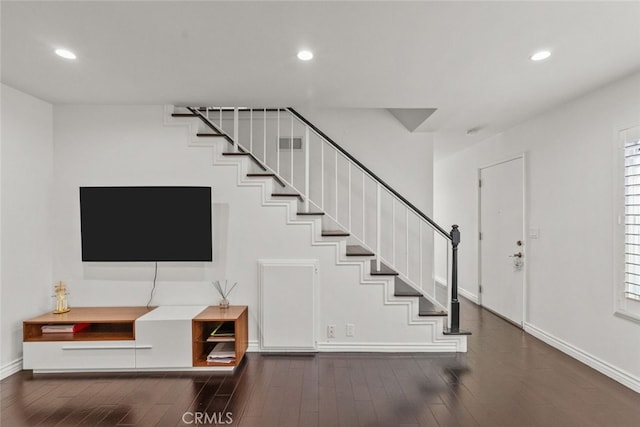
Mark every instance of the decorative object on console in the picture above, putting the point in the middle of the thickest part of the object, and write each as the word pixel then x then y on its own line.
pixel 61 298
pixel 224 293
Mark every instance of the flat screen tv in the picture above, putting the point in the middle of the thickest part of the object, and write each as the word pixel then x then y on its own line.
pixel 146 223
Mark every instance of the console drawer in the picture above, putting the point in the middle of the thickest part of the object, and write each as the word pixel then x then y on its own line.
pixel 79 355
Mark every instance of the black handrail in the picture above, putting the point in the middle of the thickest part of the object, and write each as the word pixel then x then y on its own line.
pixel 368 171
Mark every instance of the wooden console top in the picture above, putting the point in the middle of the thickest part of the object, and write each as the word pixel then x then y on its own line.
pixel 221 314
pixel 93 315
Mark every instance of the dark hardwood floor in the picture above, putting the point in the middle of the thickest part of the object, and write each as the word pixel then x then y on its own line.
pixel 507 378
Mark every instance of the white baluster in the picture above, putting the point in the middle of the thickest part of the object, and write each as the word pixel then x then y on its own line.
pixel 264 147
pixel 407 241
pixel 236 126
pixel 336 180
pixel 251 130
pixel 420 262
pixel 306 169
pixel 378 224
pixel 291 150
pixel 349 197
pixel 278 143
pixel 364 208
pixel 322 175
pixel 393 231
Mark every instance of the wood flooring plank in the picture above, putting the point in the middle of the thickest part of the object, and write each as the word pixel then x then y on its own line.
pixel 365 413
pixel 154 415
pixel 309 419
pixel 327 407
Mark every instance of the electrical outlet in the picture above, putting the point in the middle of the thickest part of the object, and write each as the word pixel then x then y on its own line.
pixel 331 331
pixel 351 329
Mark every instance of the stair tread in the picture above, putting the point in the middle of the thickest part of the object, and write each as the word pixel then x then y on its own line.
pixel 285 194
pixel 235 153
pixel 384 270
pixel 183 115
pixel 217 135
pixel 335 233
pixel 266 175
pixel 427 308
pixel 357 250
pixel 402 289
pixel 310 213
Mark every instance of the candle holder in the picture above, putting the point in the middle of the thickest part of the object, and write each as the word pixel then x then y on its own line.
pixel 61 293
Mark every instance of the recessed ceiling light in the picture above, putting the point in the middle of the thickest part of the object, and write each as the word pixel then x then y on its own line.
pixel 539 56
pixel 305 55
pixel 65 53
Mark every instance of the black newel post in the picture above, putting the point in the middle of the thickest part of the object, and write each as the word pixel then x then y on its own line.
pixel 455 305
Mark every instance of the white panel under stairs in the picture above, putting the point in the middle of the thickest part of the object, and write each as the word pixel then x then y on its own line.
pixel 288 305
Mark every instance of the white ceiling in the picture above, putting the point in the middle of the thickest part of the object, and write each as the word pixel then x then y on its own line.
pixel 469 60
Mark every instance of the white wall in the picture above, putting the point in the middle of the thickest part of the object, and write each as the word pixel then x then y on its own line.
pixel 570 170
pixel 27 173
pixel 129 145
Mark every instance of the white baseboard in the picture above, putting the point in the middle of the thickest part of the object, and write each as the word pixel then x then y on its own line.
pixel 598 364
pixel 11 368
pixel 451 346
pixel 468 295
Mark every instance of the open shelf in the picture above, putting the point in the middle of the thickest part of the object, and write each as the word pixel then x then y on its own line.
pixel 105 324
pixel 232 320
pixel 95 332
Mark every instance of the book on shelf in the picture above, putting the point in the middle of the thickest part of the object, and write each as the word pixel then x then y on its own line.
pixel 223 360
pixel 218 338
pixel 64 328
pixel 224 331
pixel 223 352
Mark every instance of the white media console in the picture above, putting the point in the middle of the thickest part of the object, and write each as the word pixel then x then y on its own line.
pixel 133 338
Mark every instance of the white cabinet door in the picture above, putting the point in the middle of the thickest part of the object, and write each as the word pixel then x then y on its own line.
pixel 163 344
pixel 79 355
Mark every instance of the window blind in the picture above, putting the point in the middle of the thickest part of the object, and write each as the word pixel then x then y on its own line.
pixel 632 217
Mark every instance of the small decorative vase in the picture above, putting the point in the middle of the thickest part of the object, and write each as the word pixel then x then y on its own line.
pixel 224 303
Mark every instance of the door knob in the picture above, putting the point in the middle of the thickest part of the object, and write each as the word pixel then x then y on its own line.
pixel 517 255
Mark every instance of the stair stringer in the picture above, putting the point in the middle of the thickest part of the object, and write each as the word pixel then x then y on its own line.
pixel 438 341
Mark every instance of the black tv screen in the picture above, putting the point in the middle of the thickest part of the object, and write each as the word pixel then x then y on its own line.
pixel 146 223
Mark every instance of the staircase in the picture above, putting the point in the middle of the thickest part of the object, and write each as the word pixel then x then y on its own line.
pixel 345 204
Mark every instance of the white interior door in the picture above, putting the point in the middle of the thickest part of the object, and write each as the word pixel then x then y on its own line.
pixel 501 244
